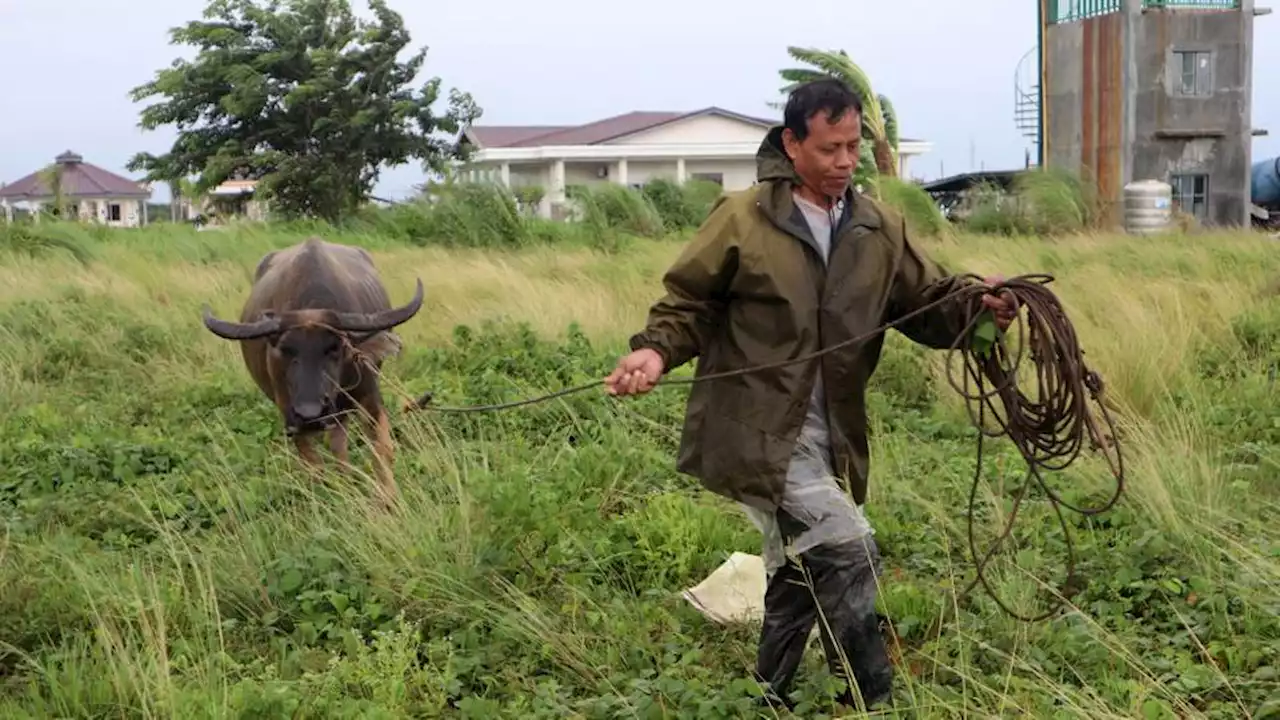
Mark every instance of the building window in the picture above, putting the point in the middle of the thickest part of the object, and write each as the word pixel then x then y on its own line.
pixel 113 212
pixel 1194 73
pixel 1191 193
pixel 717 178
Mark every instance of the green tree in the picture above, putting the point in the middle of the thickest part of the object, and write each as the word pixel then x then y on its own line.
pixel 879 121
pixel 302 96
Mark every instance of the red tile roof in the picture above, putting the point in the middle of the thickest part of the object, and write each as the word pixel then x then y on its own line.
pixel 508 135
pixel 79 179
pixel 592 133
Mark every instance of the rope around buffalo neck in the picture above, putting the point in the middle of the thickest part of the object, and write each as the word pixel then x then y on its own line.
pixel 1049 428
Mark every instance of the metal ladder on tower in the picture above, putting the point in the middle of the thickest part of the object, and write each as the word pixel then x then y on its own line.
pixel 1026 99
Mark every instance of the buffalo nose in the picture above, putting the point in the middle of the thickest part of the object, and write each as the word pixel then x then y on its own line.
pixel 308 411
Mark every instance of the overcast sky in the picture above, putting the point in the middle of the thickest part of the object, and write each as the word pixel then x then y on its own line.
pixel 948 67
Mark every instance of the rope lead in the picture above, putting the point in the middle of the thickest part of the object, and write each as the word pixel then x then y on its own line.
pixel 1048 428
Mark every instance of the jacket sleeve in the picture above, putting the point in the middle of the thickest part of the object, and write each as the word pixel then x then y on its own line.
pixel 697 287
pixel 918 281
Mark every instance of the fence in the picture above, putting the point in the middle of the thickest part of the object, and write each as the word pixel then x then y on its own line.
pixel 1065 11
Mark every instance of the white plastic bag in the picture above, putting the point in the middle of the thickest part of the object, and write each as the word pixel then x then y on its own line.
pixel 734 593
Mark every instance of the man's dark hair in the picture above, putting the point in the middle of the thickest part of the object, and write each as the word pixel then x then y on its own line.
pixel 807 100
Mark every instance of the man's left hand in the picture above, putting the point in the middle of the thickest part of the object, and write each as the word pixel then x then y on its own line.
pixel 1004 306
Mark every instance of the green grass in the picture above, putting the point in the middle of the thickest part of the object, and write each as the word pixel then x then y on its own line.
pixel 918 209
pixel 164 556
pixel 1041 201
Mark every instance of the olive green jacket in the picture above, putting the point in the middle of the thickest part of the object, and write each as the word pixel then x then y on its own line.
pixel 749 289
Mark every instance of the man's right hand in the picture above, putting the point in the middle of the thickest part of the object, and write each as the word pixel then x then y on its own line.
pixel 636 373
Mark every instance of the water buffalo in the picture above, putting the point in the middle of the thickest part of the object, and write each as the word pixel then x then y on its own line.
pixel 314 333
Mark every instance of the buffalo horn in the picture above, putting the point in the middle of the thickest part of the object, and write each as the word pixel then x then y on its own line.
pixel 379 321
pixel 240 331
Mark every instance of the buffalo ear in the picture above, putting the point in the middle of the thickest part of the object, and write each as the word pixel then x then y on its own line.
pixel 274 338
pixel 377 346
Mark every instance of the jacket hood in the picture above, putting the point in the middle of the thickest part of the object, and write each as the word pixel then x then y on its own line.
pixel 772 162
pixel 777 175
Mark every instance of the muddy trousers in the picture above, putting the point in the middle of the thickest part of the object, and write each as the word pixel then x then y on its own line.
pixel 842 578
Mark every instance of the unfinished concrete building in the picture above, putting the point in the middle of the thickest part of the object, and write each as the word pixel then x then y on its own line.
pixel 1151 89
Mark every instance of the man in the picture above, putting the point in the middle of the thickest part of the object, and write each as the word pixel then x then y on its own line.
pixel 796 263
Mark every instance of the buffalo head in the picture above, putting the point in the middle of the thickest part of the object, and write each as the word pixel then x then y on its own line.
pixel 307 356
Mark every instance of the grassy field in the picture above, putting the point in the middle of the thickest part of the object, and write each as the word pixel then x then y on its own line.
pixel 163 556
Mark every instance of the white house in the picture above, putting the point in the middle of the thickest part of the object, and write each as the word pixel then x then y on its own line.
pixel 88 193
pixel 709 144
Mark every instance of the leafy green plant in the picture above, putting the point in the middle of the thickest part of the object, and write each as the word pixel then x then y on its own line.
pixel 529 196
pixel 985 334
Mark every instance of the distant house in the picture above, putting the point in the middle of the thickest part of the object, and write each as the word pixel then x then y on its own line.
pixel 233 198
pixel 630 149
pixel 89 193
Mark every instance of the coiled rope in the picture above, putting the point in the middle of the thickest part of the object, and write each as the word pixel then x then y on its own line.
pixel 1049 428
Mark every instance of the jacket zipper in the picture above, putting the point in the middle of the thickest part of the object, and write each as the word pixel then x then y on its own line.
pixel 822 300
pixel 822 291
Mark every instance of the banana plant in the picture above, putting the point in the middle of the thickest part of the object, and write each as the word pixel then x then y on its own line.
pixel 184 189
pixel 51 177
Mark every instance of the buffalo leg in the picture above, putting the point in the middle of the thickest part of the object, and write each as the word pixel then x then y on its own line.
pixel 383 455
pixel 338 444
pixel 311 458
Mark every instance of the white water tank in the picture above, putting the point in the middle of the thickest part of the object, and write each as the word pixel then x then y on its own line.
pixel 1148 206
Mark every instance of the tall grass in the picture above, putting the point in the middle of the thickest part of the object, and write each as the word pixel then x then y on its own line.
pixel 488 215
pixel 32 240
pixel 609 207
pixel 1041 201
pixel 681 206
pixel 164 556
pixel 921 213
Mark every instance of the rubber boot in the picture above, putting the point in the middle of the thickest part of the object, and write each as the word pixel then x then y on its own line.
pixel 843 578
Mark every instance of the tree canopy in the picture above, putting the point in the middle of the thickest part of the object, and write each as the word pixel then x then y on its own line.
pixel 302 96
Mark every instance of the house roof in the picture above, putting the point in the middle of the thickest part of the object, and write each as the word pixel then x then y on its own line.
pixel 592 133
pixel 79 179
pixel 965 181
pixel 235 187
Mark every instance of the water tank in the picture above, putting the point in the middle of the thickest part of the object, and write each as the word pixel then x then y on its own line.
pixel 1148 206
pixel 1264 190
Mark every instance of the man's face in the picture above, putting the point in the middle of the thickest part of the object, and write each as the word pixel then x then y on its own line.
pixel 825 159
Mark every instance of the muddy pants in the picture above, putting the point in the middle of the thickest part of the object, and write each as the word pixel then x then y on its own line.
pixel 832 585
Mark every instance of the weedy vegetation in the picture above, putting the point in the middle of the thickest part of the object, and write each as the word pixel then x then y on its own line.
pixel 163 555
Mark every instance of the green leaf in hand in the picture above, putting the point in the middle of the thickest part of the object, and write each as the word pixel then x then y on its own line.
pixel 984 335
